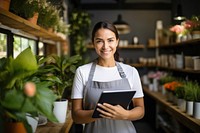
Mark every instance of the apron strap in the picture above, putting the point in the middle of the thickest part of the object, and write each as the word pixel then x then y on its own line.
pixel 120 70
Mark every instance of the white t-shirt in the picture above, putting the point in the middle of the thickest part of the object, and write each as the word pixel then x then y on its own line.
pixel 105 74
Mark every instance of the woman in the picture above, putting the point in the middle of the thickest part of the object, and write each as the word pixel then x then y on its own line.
pixel 105 73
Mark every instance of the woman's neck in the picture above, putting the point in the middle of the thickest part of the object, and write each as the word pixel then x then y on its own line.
pixel 106 63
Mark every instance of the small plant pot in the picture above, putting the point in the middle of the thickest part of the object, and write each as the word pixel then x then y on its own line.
pixel 196 110
pixel 181 104
pixel 33 122
pixel 189 107
pixel 60 110
pixel 34 19
pixel 5 4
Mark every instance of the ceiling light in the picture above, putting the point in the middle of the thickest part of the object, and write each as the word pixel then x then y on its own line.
pixel 122 26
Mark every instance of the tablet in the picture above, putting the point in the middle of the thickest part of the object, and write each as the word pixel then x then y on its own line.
pixel 115 97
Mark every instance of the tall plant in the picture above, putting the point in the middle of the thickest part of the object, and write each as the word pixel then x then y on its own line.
pixel 79 30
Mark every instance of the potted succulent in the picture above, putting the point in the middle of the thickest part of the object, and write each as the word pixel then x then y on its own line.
pixel 60 70
pixel 22 93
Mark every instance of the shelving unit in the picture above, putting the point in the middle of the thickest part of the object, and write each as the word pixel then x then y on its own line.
pixel 183 118
pixel 13 21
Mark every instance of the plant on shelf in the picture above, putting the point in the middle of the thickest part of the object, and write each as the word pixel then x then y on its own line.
pixel 21 92
pixel 180 91
pixel 49 16
pixel 166 79
pixel 190 88
pixel 60 70
pixel 25 8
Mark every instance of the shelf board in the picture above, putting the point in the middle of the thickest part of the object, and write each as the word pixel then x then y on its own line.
pixel 181 70
pixel 130 46
pixel 141 65
pixel 13 21
pixel 185 119
pixel 181 44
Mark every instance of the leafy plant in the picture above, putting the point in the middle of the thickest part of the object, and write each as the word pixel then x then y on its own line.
pixel 60 70
pixel 166 79
pixel 79 30
pixel 180 92
pixel 21 92
pixel 25 8
pixel 48 15
pixel 191 91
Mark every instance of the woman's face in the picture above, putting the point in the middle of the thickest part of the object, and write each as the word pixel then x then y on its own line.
pixel 105 43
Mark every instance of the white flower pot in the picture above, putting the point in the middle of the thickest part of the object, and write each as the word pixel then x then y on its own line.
pixel 182 104
pixel 196 110
pixel 60 110
pixel 189 107
pixel 33 122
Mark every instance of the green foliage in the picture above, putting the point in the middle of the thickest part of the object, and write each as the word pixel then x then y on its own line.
pixel 25 8
pixel 48 16
pixel 79 30
pixel 180 92
pixel 166 79
pixel 60 70
pixel 14 103
pixel 191 91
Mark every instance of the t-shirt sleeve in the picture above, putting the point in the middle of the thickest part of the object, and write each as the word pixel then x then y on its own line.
pixel 137 84
pixel 78 85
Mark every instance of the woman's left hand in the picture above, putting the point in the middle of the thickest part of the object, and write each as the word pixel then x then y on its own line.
pixel 109 111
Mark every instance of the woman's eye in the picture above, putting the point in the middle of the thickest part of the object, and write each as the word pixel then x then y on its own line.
pixel 110 40
pixel 98 42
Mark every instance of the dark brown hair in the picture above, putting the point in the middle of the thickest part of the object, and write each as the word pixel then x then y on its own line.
pixel 109 26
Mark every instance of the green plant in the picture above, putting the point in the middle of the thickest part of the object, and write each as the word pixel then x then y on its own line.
pixel 166 79
pixel 190 91
pixel 25 8
pixel 60 70
pixel 48 16
pixel 79 31
pixel 180 92
pixel 196 92
pixel 21 92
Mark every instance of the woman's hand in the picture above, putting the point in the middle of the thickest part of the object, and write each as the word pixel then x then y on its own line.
pixel 109 111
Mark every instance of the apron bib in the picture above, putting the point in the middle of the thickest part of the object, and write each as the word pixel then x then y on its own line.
pixel 92 93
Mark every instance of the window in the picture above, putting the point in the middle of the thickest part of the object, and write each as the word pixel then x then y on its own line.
pixel 3 45
pixel 21 43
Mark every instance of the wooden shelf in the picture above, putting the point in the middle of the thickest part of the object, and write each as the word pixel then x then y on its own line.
pixel 57 127
pixel 130 46
pixel 183 118
pixel 141 65
pixel 181 70
pixel 13 21
pixel 181 44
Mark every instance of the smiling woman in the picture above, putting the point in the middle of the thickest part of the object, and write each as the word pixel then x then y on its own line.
pixel 106 74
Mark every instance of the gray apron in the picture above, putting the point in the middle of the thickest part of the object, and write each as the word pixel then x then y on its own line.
pixel 92 93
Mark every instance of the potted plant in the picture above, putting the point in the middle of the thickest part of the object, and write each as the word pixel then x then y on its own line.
pixel 60 70
pixel 189 96
pixel 25 8
pixel 49 16
pixel 180 93
pixel 196 109
pixel 22 93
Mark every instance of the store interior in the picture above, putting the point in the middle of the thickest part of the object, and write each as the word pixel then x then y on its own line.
pixel 164 50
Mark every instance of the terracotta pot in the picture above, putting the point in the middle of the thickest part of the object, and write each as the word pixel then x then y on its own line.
pixel 5 4
pixel 34 18
pixel 14 127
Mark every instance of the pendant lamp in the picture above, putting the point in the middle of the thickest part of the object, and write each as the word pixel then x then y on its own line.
pixel 122 26
pixel 179 14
